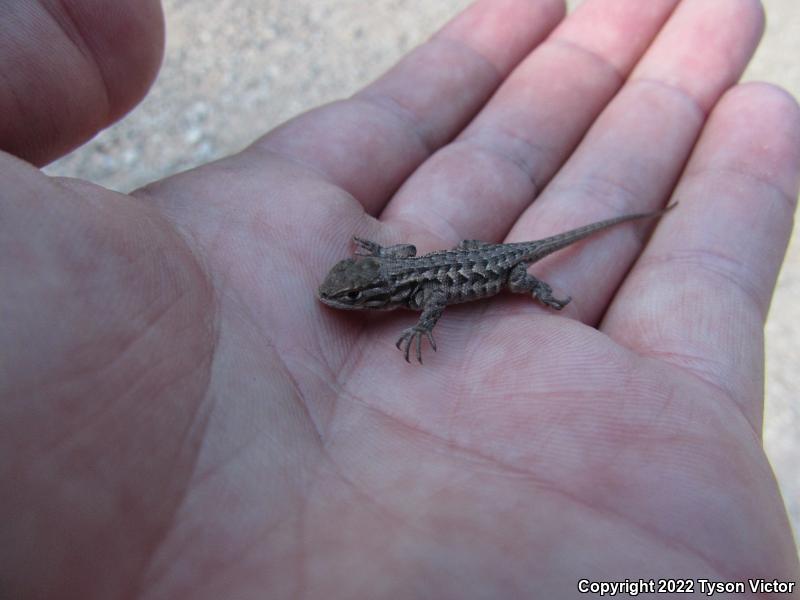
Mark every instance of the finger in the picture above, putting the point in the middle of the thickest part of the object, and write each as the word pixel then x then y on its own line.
pixel 634 153
pixel 371 142
pixel 71 68
pixel 698 296
pixel 477 186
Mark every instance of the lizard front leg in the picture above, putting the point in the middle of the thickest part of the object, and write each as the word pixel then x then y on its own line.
pixel 521 282
pixel 470 245
pixel 370 248
pixel 433 303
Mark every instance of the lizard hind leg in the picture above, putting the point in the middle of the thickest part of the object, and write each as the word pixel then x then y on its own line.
pixel 521 282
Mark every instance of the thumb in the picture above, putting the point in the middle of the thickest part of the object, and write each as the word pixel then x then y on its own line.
pixel 71 68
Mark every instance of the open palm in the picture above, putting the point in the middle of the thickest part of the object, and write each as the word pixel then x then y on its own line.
pixel 182 418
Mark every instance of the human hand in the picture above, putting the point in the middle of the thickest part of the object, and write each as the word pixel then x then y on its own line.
pixel 182 418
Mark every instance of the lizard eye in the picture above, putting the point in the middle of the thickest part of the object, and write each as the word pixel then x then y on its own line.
pixel 354 295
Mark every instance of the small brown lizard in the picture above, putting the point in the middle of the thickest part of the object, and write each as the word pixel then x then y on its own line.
pixel 391 277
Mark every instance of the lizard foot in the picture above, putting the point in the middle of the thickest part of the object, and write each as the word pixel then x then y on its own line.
pixel 544 293
pixel 555 302
pixel 412 334
pixel 366 247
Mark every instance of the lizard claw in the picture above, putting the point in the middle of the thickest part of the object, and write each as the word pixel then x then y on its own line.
pixel 365 247
pixel 429 335
pixel 556 303
pixel 413 335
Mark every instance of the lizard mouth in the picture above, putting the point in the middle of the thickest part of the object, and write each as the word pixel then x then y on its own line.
pixel 333 302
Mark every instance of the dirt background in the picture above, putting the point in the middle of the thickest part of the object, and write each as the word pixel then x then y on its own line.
pixel 236 68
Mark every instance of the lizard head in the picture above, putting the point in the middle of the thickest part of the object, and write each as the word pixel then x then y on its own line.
pixel 355 285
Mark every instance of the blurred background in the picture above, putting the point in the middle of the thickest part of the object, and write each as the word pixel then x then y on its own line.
pixel 234 69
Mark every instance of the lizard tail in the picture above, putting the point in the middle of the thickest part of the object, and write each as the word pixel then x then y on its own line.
pixel 549 245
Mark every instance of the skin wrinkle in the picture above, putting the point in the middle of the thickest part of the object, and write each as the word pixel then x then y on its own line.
pixel 303 544
pixel 666 401
pixel 277 146
pixel 789 200
pixel 268 146
pixel 161 532
pixel 701 376
pixel 613 195
pixel 406 116
pixel 197 264
pixel 197 478
pixel 205 476
pixel 354 351
pixel 356 357
pixel 543 485
pixel 231 563
pixel 300 396
pixel 609 187
pixel 711 262
pixel 76 374
pixel 145 576
pixel 106 364
pixel 674 89
pixel 481 134
pixel 86 421
pixel 209 400
pixel 484 146
pixel 65 19
pixel 578 49
pixel 361 491
pixel 466 359
pixel 191 244
pixel 732 68
pixel 632 368
pixel 327 458
pixel 657 537
pixel 403 118
pixel 422 230
pixel 496 72
pixel 445 35
pixel 567 393
pixel 397 422
pixel 693 258
pixel 339 376
pixel 19 105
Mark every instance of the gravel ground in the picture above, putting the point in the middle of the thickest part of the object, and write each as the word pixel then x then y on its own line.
pixel 234 68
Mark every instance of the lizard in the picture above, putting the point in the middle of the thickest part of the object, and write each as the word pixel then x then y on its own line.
pixel 390 277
